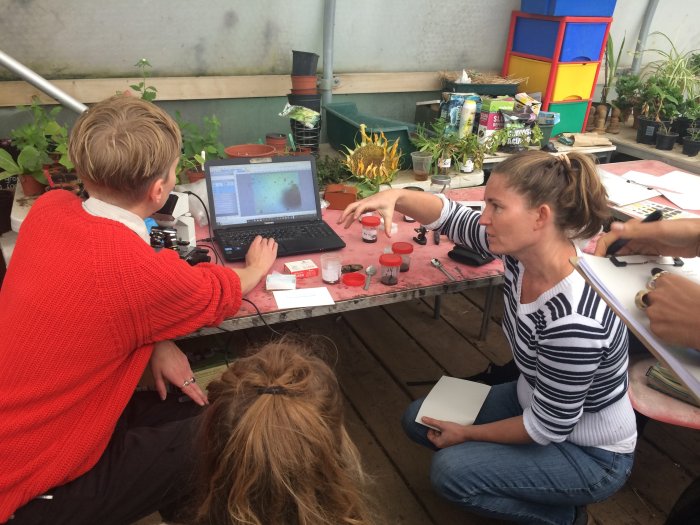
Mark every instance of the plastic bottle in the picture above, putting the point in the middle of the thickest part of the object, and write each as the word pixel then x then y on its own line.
pixel 466 118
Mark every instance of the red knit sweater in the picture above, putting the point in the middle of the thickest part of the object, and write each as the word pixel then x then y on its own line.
pixel 83 301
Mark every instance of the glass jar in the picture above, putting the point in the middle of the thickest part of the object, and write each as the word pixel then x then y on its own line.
pixel 404 249
pixel 370 223
pixel 439 183
pixel 389 271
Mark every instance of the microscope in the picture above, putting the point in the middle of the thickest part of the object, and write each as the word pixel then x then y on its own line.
pixel 176 231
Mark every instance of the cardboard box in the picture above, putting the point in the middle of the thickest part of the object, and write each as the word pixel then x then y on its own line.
pixel 302 269
pixel 490 119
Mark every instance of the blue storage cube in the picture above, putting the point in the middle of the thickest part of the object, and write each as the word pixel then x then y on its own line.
pixel 569 7
pixel 582 41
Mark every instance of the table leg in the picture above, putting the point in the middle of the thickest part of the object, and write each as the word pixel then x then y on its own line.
pixel 436 307
pixel 488 305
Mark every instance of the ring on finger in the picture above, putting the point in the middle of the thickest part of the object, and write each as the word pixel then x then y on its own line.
pixel 651 284
pixel 188 382
pixel 641 300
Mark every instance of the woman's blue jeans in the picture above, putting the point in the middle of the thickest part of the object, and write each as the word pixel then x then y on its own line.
pixel 524 483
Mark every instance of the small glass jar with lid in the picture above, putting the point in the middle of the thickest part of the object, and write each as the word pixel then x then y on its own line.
pixel 370 223
pixel 390 266
pixel 439 183
pixel 404 249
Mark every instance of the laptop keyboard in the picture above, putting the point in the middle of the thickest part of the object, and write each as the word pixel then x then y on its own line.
pixel 243 239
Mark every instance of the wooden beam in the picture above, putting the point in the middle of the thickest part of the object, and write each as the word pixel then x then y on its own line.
pixel 15 92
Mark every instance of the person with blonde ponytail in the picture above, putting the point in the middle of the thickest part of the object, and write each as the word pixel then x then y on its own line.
pixel 563 434
pixel 273 444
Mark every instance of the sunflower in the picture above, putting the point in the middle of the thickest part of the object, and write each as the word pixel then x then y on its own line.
pixel 374 161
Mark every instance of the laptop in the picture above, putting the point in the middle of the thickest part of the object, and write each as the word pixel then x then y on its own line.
pixel 270 196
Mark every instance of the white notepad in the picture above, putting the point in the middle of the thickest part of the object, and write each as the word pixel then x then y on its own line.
pixel 453 399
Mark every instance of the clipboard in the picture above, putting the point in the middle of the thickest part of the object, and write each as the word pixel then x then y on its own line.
pixel 618 285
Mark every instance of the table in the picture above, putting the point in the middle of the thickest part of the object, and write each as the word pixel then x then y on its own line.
pixel 652 167
pixel 422 280
pixel 626 142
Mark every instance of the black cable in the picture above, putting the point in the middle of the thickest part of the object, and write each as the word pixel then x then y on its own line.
pixel 210 246
pixel 206 211
pixel 260 315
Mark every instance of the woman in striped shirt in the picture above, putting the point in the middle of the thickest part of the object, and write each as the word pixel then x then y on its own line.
pixel 563 435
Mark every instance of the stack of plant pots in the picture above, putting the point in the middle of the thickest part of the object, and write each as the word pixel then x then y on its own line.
pixel 305 93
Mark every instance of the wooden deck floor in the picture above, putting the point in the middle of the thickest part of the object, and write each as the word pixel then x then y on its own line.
pixel 382 348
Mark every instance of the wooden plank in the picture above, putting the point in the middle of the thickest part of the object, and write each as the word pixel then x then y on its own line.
pixel 380 402
pixel 446 346
pixel 88 90
pixel 402 357
pixel 464 317
pixel 681 445
pixel 388 491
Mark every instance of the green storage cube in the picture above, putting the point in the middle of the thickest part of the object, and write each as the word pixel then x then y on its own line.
pixel 343 128
pixel 571 116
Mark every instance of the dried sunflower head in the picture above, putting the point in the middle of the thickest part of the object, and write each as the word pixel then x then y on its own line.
pixel 374 161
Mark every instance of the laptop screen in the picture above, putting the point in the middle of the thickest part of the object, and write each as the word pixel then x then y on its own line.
pixel 267 192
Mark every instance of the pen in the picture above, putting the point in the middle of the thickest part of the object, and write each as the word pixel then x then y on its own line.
pixel 615 247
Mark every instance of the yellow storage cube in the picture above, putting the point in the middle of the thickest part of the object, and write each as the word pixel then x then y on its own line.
pixel 573 82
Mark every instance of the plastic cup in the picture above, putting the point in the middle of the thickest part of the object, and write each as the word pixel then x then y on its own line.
pixel 421 164
pixel 330 268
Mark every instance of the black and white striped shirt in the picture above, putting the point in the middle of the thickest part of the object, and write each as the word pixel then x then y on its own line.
pixel 570 348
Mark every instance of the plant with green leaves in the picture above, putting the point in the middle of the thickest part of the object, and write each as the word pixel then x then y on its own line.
pixel 38 139
pixel 438 141
pixel 628 88
pixel 145 91
pixel 680 69
pixel 199 142
pixel 660 98
pixel 331 170
pixel 611 63
pixel 469 147
pixel 28 162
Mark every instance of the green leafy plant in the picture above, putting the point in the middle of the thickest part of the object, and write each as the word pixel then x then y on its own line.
pixel 612 63
pixel 28 162
pixel 199 142
pixel 660 97
pixel 145 91
pixel 438 141
pixel 628 88
pixel 331 170
pixel 679 69
pixel 468 147
pixel 39 139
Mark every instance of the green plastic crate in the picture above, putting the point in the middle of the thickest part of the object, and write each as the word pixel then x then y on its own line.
pixel 343 128
pixel 571 116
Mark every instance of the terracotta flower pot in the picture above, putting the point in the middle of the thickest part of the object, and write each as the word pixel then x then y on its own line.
pixel 277 141
pixel 30 186
pixel 249 150
pixel 304 82
pixel 194 175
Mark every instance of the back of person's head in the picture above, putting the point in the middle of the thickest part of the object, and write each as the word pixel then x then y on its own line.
pixel 568 183
pixel 123 144
pixel 274 448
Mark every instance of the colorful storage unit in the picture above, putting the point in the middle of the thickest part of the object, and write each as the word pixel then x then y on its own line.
pixel 559 56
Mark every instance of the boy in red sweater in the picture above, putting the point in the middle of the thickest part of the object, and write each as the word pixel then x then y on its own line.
pixel 86 305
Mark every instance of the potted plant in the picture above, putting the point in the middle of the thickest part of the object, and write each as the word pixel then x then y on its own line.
pixel 443 145
pixel 469 149
pixel 628 88
pixel 689 116
pixel 665 136
pixel 660 98
pixel 199 143
pixel 611 62
pixel 40 143
pixel 691 142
